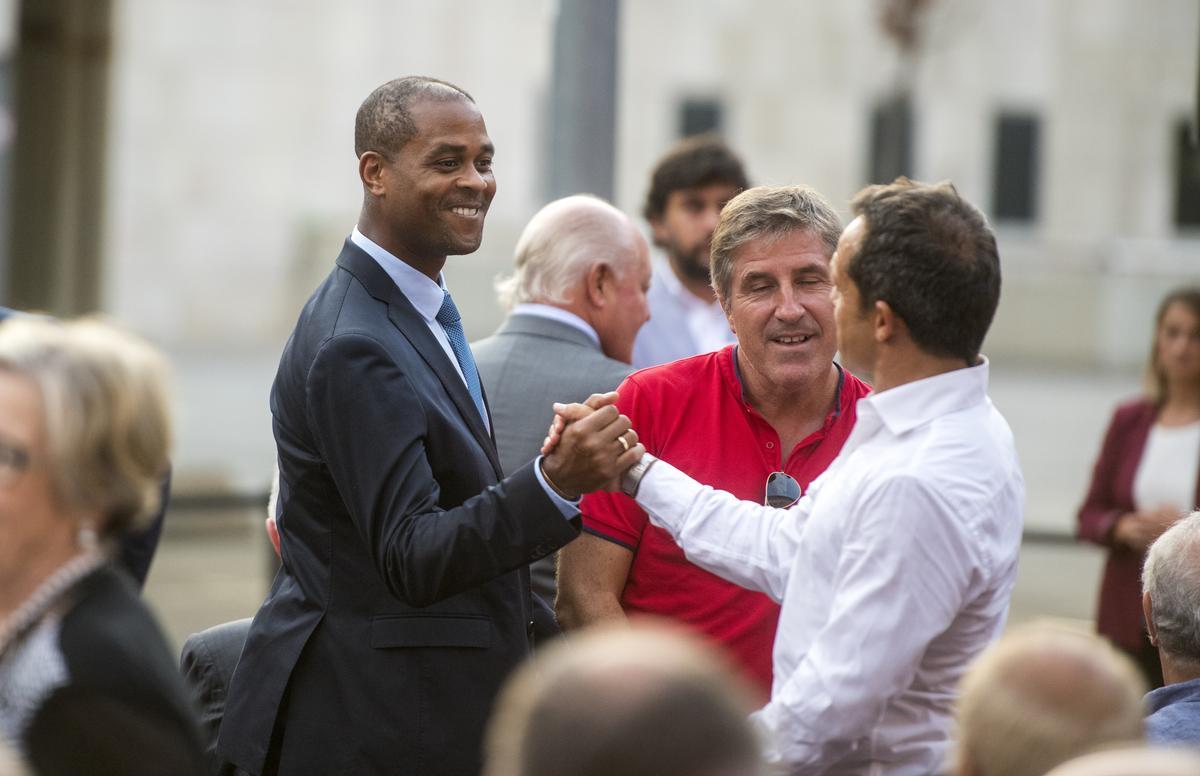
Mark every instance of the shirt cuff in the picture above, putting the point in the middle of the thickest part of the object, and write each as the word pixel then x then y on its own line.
pixel 666 494
pixel 569 509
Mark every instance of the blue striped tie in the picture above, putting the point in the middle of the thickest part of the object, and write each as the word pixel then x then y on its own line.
pixel 451 323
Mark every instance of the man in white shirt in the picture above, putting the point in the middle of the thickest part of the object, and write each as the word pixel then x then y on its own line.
pixel 896 568
pixel 689 186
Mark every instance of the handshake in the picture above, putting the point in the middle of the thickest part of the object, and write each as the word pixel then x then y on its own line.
pixel 588 447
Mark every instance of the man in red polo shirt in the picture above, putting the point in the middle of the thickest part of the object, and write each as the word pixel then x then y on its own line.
pixel 760 419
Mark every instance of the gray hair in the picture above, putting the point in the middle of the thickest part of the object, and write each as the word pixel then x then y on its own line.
pixel 1171 576
pixel 105 410
pixel 771 213
pixel 561 243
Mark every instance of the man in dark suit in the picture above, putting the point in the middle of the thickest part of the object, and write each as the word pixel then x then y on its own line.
pixel 403 599
pixel 576 301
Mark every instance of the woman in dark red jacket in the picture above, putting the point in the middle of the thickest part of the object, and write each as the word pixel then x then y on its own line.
pixel 1148 474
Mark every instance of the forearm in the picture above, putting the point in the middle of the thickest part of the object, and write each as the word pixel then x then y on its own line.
pixel 592 572
pixel 575 612
pixel 747 543
pixel 433 555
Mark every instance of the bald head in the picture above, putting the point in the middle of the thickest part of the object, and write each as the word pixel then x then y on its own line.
pixel 582 255
pixel 636 702
pixel 1133 761
pixel 562 242
pixel 1042 695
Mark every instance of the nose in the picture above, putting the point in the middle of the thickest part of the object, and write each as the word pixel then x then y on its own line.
pixel 712 216
pixel 791 306
pixel 473 179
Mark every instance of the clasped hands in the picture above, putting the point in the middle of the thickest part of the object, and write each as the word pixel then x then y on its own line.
pixel 589 446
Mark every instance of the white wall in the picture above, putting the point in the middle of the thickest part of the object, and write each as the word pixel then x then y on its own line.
pixel 233 181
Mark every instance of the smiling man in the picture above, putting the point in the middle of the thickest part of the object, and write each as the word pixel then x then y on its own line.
pixel 760 419
pixel 896 567
pixel 403 599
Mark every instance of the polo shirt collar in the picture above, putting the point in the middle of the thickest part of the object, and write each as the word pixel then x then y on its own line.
pixel 741 387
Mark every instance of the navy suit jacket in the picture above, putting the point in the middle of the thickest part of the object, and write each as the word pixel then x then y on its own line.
pixel 403 599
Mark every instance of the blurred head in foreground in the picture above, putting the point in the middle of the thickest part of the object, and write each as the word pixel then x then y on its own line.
pixel 645 701
pixel 1042 695
pixel 1133 761
pixel 84 441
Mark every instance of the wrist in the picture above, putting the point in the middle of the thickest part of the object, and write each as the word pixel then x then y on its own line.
pixel 631 480
pixel 553 485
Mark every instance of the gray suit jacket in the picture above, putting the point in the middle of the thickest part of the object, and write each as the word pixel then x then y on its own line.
pixel 527 365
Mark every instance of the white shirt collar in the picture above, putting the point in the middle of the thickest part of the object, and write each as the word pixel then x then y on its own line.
pixel 425 294
pixel 558 314
pixel 908 406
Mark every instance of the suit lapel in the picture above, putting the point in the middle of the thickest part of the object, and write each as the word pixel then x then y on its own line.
pixel 409 322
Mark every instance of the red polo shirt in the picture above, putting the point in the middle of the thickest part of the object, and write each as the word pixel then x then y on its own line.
pixel 692 414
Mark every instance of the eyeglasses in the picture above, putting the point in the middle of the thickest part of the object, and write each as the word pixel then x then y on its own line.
pixel 14 459
pixel 782 490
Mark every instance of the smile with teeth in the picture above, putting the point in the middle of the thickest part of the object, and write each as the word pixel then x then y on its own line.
pixel 465 211
pixel 794 340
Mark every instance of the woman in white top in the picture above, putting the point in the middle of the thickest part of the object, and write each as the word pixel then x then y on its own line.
pixel 1147 474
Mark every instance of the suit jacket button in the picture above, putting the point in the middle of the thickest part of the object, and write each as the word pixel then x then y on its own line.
pixel 529 629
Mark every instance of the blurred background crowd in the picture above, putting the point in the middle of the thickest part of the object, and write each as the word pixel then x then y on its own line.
pixel 186 168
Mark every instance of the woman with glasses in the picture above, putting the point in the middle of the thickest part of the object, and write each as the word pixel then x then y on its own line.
pixel 1148 474
pixel 87 684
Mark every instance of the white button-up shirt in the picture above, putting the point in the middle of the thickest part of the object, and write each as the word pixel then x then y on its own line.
pixel 894 571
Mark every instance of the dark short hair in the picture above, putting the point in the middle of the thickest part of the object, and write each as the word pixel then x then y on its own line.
pixel 932 257
pixel 384 121
pixel 699 160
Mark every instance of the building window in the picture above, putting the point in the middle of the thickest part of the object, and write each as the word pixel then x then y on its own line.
pixel 699 115
pixel 1015 168
pixel 1187 176
pixel 891 140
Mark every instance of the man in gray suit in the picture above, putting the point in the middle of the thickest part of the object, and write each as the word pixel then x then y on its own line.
pixel 576 302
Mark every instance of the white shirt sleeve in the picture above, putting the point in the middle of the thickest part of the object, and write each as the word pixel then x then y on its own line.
pixel 902 576
pixel 747 543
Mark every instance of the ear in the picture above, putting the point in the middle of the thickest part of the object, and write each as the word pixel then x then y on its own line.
pixel 1148 612
pixel 885 323
pixel 370 171
pixel 273 533
pixel 599 277
pixel 726 310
